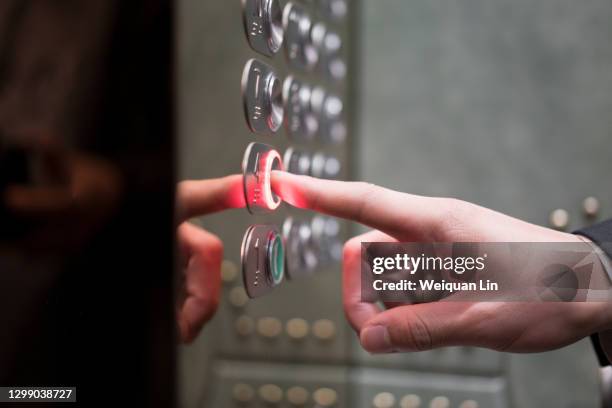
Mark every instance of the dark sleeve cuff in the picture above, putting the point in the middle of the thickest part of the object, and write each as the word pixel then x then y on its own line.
pixel 600 234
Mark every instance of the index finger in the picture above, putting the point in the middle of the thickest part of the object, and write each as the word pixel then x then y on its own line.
pixel 404 216
pixel 199 197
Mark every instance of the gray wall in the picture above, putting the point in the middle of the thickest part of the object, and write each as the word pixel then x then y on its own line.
pixel 505 103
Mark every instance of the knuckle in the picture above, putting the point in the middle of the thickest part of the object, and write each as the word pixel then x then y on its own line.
pixel 416 334
pixel 453 219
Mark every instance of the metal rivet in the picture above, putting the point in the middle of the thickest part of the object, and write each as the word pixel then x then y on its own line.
pixel 229 271
pixel 383 400
pixel 410 401
pixel 439 402
pixel 244 325
pixel 269 327
pixel 271 393
pixel 590 206
pixel 297 396
pixel 238 297
pixel 297 328
pixel 324 329
pixel 243 392
pixel 325 397
pixel 559 219
pixel 469 404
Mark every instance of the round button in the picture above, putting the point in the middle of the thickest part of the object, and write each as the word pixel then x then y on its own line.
pixel 324 329
pixel 559 219
pixel 383 400
pixel 335 9
pixel 299 48
pixel 410 401
pixel 297 328
pixel 263 24
pixel 325 397
pixel 297 396
pixel 590 206
pixel 439 402
pixel 238 297
pixel 469 404
pixel 269 327
pixel 244 326
pixel 336 68
pixel 270 393
pixel 229 271
pixel 243 392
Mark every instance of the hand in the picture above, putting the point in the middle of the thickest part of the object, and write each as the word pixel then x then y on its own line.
pixel 200 251
pixel 504 326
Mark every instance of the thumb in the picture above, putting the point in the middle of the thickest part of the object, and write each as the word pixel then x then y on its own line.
pixel 417 327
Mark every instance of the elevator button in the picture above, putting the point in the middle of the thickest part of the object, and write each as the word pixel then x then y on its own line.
pixel 271 393
pixel 324 329
pixel 263 24
pixel 269 327
pixel 299 49
pixel 383 400
pixel 328 109
pixel 469 404
pixel 238 297
pixel 336 68
pixel 263 259
pixel 297 161
pixel 559 219
pixel 334 9
pixel 590 207
pixel 301 123
pixel 257 165
pixel 302 257
pixel 244 326
pixel 262 96
pixel 439 402
pixel 229 271
pixel 326 235
pixel 297 328
pixel 324 166
pixel 325 397
pixel 297 396
pixel 243 393
pixel 410 401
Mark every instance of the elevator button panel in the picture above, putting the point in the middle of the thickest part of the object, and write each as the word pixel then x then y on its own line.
pixel 262 96
pixel 263 25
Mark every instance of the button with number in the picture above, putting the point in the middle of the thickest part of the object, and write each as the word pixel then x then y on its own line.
pixel 262 96
pixel 263 24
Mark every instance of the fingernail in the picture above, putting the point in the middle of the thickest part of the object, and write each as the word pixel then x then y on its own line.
pixel 375 339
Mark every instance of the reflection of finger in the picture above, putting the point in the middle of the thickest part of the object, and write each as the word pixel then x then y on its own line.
pixel 357 311
pixel 404 216
pixel 199 197
pixel 202 279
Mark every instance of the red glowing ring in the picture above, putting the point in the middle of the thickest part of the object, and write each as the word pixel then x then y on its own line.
pixel 272 158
